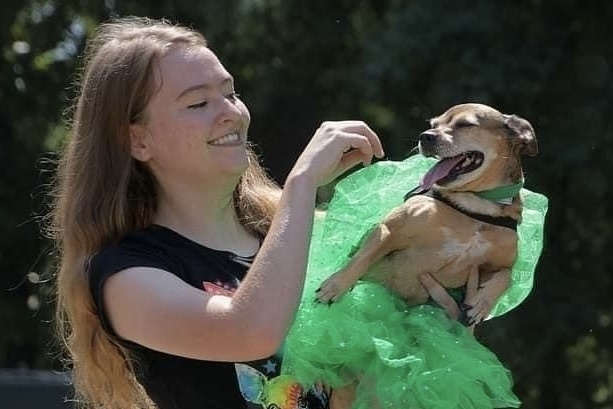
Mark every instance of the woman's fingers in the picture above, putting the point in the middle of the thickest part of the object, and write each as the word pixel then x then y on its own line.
pixel 362 129
pixel 337 146
pixel 356 135
pixel 353 157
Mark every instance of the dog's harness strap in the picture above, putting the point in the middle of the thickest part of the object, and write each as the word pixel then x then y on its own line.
pixel 507 222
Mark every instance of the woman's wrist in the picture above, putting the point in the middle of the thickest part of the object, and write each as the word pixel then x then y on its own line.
pixel 300 181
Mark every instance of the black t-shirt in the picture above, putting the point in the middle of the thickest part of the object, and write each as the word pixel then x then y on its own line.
pixel 174 382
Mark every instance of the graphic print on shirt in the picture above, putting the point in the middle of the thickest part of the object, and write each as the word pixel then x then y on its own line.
pixel 261 383
pixel 279 392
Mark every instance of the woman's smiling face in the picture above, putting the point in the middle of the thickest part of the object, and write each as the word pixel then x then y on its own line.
pixel 195 126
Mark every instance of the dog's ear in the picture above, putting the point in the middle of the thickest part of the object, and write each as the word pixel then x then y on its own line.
pixel 523 134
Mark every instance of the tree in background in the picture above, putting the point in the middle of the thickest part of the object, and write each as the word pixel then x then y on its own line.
pixel 395 64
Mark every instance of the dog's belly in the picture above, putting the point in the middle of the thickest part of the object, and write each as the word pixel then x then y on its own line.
pixel 446 254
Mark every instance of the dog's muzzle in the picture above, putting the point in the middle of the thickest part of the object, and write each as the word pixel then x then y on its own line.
pixel 427 142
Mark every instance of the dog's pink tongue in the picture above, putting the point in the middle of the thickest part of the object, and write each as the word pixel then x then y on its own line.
pixel 439 171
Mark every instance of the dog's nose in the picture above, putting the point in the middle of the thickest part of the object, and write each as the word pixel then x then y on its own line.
pixel 427 138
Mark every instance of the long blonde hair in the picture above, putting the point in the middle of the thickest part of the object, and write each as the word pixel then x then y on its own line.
pixel 101 193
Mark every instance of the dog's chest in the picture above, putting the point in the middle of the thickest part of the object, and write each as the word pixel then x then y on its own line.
pixel 454 246
pixel 450 240
pixel 453 251
pixel 450 251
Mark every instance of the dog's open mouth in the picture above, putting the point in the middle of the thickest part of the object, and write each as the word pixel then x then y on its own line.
pixel 448 169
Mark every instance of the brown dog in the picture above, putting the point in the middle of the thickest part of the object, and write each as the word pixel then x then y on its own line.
pixel 462 219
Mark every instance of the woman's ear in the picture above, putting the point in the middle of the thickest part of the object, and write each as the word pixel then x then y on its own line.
pixel 139 142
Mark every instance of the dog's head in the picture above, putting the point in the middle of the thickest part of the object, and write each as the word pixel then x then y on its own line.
pixel 478 148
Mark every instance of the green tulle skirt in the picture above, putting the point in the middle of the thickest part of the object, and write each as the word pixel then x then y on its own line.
pixel 403 357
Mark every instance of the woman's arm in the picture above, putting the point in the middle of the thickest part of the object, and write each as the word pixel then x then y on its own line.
pixel 158 310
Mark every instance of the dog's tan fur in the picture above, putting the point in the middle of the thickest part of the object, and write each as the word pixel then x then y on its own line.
pixel 425 235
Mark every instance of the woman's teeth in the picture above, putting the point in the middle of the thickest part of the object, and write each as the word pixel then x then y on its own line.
pixel 228 139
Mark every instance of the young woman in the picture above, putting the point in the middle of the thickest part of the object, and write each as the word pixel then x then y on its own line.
pixel 181 262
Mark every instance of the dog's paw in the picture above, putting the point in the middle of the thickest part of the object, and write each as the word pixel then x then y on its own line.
pixel 479 309
pixel 333 288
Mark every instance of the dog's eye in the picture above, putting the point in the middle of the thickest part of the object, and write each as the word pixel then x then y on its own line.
pixel 463 124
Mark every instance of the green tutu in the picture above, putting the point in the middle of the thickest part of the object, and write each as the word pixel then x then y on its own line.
pixel 406 357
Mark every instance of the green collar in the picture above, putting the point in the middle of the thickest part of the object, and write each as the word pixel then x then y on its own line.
pixel 502 192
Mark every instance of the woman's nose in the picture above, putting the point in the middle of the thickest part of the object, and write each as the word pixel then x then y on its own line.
pixel 230 109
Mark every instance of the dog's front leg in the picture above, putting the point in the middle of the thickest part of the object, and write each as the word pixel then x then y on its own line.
pixel 491 286
pixel 377 244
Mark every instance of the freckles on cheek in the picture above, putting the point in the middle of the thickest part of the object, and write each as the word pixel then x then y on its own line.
pixel 193 135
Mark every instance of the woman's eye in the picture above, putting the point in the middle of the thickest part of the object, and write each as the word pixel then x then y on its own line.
pixel 198 105
pixel 232 96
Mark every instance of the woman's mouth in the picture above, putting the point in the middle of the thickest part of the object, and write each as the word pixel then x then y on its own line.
pixel 229 139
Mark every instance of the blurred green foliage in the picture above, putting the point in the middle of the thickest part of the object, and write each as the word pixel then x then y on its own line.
pixel 394 64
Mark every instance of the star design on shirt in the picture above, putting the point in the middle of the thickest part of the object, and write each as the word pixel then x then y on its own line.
pixel 270 367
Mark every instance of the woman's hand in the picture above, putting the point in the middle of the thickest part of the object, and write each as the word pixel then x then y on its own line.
pixel 464 312
pixel 336 147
